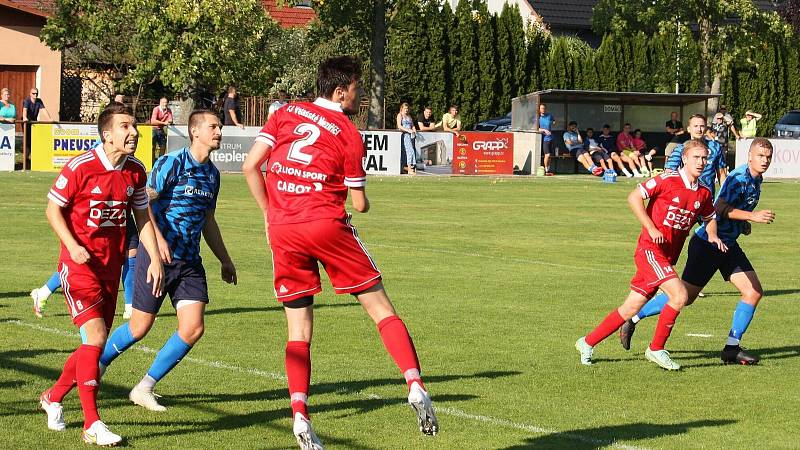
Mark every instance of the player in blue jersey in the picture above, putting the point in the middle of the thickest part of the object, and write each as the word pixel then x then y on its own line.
pixel 715 169
pixel 735 207
pixel 183 190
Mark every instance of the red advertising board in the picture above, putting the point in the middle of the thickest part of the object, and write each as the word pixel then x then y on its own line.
pixel 477 153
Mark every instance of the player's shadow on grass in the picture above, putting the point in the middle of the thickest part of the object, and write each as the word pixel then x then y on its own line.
pixel 737 294
pixel 599 437
pixel 239 310
pixel 788 351
pixel 14 294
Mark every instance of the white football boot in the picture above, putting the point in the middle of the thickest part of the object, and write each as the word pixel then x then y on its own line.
pixel 420 401
pixel 145 399
pixel 586 351
pixel 304 433
pixel 55 413
pixel 99 434
pixel 661 357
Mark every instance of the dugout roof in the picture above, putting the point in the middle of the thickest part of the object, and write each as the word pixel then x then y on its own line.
pixel 646 110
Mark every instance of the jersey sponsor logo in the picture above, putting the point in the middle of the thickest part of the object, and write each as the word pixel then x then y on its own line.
pixel 292 188
pixel 97 190
pixel 61 182
pixel 191 190
pixel 107 213
pixel 679 218
pixel 278 168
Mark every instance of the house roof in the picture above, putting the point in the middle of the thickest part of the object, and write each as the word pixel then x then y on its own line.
pixel 41 8
pixel 565 13
pixel 289 16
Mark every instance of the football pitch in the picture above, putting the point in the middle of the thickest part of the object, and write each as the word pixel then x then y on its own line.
pixel 495 278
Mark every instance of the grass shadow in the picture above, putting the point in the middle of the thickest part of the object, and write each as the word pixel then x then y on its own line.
pixel 599 437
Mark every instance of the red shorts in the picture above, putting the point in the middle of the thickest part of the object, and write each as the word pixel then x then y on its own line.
pixel 652 269
pixel 298 247
pixel 87 296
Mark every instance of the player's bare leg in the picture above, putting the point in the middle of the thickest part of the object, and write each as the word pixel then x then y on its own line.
pixel 400 346
pixel 300 327
pixel 617 159
pixel 749 286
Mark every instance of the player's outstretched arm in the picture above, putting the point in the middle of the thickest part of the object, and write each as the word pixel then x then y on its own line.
pixel 255 180
pixel 725 210
pixel 56 218
pixel 213 238
pixel 147 236
pixel 358 197
pixel 636 203
pixel 713 238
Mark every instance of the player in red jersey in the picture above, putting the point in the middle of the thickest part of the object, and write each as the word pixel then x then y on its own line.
pixel 88 208
pixel 313 155
pixel 676 201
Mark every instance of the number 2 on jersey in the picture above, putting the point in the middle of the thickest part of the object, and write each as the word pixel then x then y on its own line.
pixel 310 134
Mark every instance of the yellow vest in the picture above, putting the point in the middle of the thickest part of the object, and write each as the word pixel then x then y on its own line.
pixel 748 128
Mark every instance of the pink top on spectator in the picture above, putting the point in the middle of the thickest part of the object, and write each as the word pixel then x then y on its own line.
pixel 161 116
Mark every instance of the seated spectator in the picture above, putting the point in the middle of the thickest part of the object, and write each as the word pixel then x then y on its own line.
pixel 595 154
pixel 572 138
pixel 645 155
pixel 8 112
pixel 627 152
pixel 425 120
pixel 450 121
pixel 277 104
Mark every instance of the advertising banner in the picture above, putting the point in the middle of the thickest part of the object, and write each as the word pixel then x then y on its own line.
pixel 479 153
pixel 383 152
pixel 52 145
pixel 7 146
pixel 236 142
pixel 435 146
pixel 785 157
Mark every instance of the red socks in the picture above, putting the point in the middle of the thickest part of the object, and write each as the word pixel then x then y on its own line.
pixel 87 374
pixel 298 372
pixel 610 324
pixel 665 322
pixel 400 346
pixel 66 381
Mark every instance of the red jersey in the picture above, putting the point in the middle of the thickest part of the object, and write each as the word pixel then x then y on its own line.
pixel 674 206
pixel 316 155
pixel 96 198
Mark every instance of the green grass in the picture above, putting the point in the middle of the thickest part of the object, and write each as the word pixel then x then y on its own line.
pixel 496 278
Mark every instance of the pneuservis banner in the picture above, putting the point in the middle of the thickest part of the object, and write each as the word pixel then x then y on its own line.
pixel 478 153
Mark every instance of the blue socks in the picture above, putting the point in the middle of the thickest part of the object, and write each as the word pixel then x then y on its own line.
pixel 128 275
pixel 54 282
pixel 741 320
pixel 652 308
pixel 119 341
pixel 168 357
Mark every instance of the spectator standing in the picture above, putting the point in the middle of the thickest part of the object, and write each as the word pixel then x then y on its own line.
pixel 675 133
pixel 425 120
pixel 274 106
pixel 727 118
pixel 406 124
pixel 545 125
pixel 231 109
pixel 119 98
pixel 721 131
pixel 8 112
pixel 749 124
pixel 161 117
pixel 451 121
pixel 32 107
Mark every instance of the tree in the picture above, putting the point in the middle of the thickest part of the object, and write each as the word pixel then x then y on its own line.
pixel 465 66
pixel 437 22
pixel 727 30
pixel 405 76
pixel 186 46
pixel 487 63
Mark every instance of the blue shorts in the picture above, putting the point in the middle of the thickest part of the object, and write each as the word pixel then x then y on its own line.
pixel 704 259
pixel 182 281
pixel 159 138
pixel 131 236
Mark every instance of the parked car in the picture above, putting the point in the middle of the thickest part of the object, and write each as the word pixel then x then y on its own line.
pixel 789 125
pixel 496 124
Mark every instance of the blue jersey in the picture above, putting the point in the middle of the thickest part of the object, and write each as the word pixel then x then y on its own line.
pixel 716 160
pixel 741 191
pixel 186 190
pixel 546 123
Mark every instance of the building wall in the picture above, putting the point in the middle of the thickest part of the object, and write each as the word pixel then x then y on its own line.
pixel 19 34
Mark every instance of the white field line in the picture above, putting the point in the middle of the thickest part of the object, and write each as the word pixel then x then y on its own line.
pixel 699 335
pixel 279 377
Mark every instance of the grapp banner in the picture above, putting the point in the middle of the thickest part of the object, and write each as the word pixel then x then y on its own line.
pixel 383 148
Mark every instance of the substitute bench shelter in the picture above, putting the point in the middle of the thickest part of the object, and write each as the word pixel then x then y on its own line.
pixel 647 111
